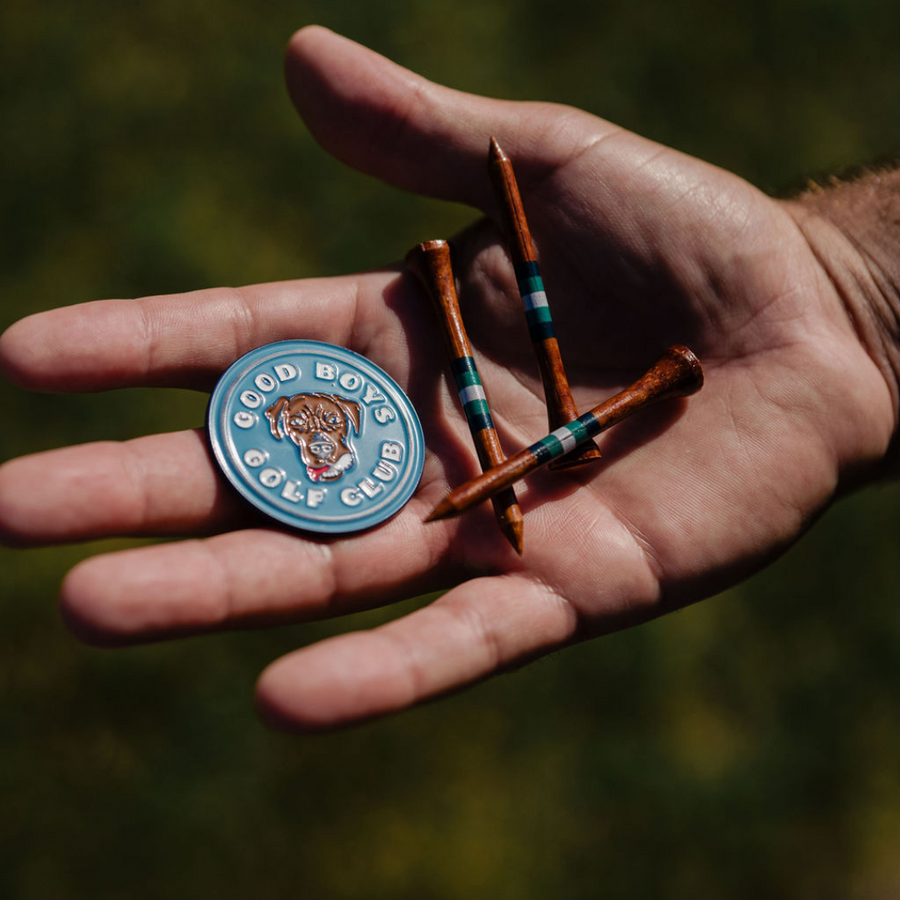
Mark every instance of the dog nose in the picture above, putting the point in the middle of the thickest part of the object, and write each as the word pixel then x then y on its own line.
pixel 321 445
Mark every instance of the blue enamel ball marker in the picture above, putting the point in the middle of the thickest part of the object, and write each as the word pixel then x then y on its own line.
pixel 316 436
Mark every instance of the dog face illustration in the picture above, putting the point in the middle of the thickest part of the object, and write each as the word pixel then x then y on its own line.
pixel 319 424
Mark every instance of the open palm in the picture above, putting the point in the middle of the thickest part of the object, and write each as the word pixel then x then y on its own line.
pixel 640 247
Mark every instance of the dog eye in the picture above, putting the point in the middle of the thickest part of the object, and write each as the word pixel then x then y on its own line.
pixel 332 419
pixel 297 422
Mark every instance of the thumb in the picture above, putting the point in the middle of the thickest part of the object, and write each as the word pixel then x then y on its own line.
pixel 382 119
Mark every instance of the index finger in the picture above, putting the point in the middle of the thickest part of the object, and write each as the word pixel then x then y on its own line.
pixel 186 340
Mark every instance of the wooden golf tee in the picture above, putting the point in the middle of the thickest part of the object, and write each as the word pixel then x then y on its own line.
pixel 677 374
pixel 430 262
pixel 560 405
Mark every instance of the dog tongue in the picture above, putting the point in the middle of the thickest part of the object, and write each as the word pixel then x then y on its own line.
pixel 316 473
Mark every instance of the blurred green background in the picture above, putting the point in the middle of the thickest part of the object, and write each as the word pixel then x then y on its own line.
pixel 747 747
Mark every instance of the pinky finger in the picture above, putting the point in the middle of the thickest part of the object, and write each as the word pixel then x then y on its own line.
pixel 475 630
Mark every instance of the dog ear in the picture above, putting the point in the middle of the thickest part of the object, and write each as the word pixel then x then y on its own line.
pixel 351 411
pixel 273 414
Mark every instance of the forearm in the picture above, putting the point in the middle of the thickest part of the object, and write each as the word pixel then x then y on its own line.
pixel 853 228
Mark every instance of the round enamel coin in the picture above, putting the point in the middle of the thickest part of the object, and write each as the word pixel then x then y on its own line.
pixel 316 436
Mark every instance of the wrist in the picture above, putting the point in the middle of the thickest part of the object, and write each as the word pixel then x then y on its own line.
pixel 853 230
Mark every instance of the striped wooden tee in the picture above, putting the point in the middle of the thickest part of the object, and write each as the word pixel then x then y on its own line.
pixel 566 438
pixel 534 299
pixel 471 393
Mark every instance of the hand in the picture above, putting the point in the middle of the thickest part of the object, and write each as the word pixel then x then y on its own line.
pixel 641 247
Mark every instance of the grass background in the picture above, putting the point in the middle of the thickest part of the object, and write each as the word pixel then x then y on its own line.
pixel 747 747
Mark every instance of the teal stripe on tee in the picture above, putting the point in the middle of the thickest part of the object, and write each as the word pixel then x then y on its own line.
pixel 530 285
pixel 540 331
pixel 464 372
pixel 581 429
pixel 527 269
pixel 546 448
pixel 478 415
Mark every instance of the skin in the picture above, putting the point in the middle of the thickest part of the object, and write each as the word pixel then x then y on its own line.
pixel 641 247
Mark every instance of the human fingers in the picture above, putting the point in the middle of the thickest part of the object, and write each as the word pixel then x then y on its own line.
pixel 475 630
pixel 186 340
pixel 162 484
pixel 252 576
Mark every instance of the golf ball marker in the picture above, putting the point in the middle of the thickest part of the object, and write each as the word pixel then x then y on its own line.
pixel 316 436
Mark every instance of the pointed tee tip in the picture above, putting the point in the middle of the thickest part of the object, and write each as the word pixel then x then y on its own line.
pixel 441 511
pixel 496 151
